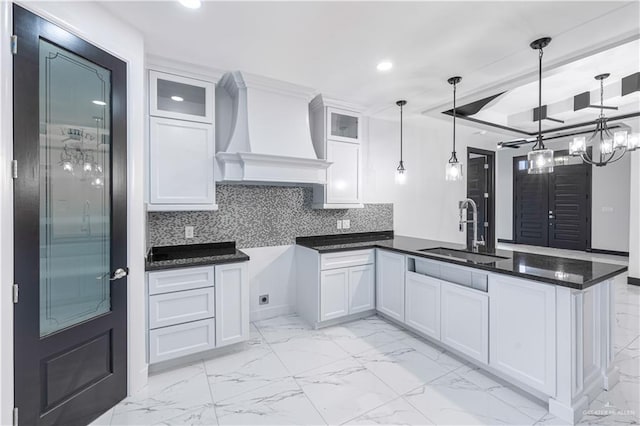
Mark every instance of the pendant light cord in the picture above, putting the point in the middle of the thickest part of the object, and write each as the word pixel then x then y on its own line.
pixel 540 144
pixel 401 107
pixel 453 154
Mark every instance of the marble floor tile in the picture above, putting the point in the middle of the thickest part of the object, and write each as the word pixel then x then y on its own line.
pixel 445 359
pixel 360 336
pixel 453 400
pixel 526 404
pixel 396 412
pixel 165 398
pixel 282 328
pixel 103 420
pixel 344 390
pixel 202 416
pixel 282 403
pixel 401 366
pixel 307 351
pixel 237 373
pixel 628 362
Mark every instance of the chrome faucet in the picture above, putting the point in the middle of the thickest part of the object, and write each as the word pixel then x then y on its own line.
pixel 475 243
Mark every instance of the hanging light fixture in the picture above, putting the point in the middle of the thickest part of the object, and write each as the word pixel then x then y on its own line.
pixel 612 146
pixel 401 172
pixel 453 170
pixel 540 158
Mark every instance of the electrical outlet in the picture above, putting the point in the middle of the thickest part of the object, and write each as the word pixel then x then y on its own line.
pixel 346 223
pixel 188 231
pixel 339 225
pixel 263 299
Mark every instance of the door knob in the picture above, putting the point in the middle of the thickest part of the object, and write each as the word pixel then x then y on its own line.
pixel 119 273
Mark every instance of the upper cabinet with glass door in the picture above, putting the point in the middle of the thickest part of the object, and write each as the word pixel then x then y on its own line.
pixel 343 125
pixel 182 98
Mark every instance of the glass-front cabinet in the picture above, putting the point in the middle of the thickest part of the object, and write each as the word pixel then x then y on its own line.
pixel 343 125
pixel 182 98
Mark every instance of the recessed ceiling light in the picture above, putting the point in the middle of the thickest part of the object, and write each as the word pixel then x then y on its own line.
pixel 101 103
pixel 191 4
pixel 384 66
pixel 177 98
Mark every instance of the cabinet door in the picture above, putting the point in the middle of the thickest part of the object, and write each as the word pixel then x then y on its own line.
pixel 232 304
pixel 343 175
pixel 422 304
pixel 361 288
pixel 523 340
pixel 182 98
pixel 181 162
pixel 343 125
pixel 390 270
pixel 464 315
pixel 334 293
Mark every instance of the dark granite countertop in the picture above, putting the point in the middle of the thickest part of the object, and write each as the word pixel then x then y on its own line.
pixel 167 257
pixel 572 273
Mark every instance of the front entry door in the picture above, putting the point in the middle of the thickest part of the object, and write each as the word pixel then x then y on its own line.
pixel 70 206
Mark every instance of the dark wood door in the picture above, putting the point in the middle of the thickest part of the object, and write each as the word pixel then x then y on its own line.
pixel 569 202
pixel 531 208
pixel 480 189
pixel 70 205
pixel 553 210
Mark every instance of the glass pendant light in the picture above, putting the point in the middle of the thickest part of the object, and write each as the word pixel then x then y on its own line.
pixel 401 172
pixel 453 171
pixel 540 158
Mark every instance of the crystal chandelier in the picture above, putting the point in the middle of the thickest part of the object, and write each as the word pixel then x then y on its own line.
pixel 540 158
pixel 612 146
pixel 78 160
pixel 453 171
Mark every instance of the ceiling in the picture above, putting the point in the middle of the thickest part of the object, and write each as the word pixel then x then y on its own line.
pixel 334 46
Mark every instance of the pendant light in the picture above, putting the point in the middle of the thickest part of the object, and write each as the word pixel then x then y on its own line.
pixel 401 172
pixel 453 170
pixel 540 158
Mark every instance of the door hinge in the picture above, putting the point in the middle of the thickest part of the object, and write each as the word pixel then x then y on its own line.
pixel 14 44
pixel 14 169
pixel 486 224
pixel 16 293
pixel 486 165
pixel 486 195
pixel 15 416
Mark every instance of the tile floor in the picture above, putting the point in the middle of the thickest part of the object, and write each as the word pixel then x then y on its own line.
pixel 364 372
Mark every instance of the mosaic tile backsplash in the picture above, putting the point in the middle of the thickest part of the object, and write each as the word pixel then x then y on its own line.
pixel 261 216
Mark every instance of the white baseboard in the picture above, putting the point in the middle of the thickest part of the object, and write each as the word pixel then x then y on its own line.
pixel 271 312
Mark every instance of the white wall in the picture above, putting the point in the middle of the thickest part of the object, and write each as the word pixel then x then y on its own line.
pixel 272 272
pixel 634 217
pixel 94 24
pixel 610 205
pixel 427 205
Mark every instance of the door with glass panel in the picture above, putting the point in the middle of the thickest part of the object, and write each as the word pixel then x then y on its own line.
pixel 70 238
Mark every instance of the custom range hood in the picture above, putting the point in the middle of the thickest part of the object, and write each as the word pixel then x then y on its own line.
pixel 262 132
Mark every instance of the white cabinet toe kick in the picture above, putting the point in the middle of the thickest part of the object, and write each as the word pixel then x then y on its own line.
pixel 554 342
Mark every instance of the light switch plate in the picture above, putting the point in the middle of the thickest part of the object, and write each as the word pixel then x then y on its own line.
pixel 346 223
pixel 339 224
pixel 188 231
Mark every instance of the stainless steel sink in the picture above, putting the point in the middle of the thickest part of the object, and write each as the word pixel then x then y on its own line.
pixel 463 255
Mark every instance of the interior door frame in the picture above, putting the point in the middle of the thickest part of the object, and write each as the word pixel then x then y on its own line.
pixel 29 26
pixel 515 192
pixel 491 155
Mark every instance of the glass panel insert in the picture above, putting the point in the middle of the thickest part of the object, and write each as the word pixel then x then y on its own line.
pixel 182 98
pixel 75 210
pixel 344 125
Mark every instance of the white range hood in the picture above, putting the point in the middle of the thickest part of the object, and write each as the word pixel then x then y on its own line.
pixel 263 134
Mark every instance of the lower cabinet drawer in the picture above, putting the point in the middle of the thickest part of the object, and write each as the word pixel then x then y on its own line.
pixel 345 259
pixel 180 307
pixel 179 340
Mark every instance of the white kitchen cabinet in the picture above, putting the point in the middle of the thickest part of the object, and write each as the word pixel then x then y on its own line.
pixel 336 135
pixel 362 293
pixel 390 274
pixel 232 304
pixel 181 165
pixel 464 316
pixel 522 337
pixel 334 293
pixel 195 309
pixel 422 304
pixel 181 98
